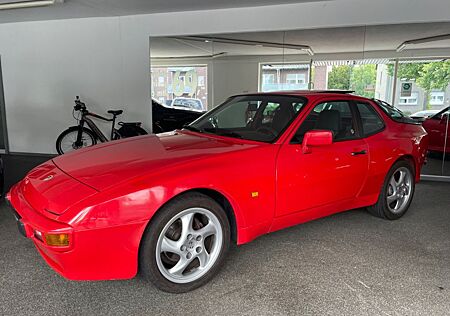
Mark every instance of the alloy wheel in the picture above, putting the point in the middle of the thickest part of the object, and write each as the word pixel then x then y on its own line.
pixel 189 245
pixel 399 190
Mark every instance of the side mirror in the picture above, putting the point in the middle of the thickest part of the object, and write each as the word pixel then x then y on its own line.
pixel 444 118
pixel 315 139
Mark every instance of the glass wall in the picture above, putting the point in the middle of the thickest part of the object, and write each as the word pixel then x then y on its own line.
pixel 423 86
pixel 182 86
pixel 202 71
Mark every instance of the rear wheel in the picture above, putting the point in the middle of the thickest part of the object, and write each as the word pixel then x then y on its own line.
pixel 185 244
pixel 66 142
pixel 397 192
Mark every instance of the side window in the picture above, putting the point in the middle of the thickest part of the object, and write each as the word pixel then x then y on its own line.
pixel 371 121
pixel 333 116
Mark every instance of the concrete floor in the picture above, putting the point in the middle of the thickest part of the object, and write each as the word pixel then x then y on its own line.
pixel 347 264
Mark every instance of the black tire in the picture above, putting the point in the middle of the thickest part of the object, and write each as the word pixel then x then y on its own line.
pixel 381 209
pixel 72 131
pixel 148 264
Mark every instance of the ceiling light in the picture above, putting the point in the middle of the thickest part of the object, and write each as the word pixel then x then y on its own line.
pixel 223 40
pixel 401 47
pixel 27 4
pixel 309 51
pixel 423 40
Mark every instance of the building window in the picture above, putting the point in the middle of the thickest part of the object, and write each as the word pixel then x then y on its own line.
pixel 437 98
pixel 295 78
pixel 268 78
pixel 279 77
pixel 201 81
pixel 412 100
pixel 161 81
pixel 188 83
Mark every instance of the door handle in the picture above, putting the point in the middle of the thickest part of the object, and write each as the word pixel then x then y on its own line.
pixel 357 153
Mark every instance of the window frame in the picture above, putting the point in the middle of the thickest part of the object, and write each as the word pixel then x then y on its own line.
pixel 355 119
pixel 360 122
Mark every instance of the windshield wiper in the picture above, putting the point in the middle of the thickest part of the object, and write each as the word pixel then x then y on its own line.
pixel 222 132
pixel 192 128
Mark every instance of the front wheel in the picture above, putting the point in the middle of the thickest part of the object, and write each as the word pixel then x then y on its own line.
pixel 67 141
pixel 185 243
pixel 397 192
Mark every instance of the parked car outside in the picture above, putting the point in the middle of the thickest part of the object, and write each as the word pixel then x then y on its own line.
pixel 423 115
pixel 438 128
pixel 170 205
pixel 189 103
pixel 168 118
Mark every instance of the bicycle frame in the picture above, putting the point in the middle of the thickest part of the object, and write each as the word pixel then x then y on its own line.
pixel 98 133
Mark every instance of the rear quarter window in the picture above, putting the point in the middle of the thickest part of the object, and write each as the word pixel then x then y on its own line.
pixel 371 121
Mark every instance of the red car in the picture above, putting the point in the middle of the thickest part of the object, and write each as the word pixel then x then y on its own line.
pixel 438 129
pixel 171 204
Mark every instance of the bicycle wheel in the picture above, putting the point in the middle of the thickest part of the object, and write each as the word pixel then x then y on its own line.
pixel 66 142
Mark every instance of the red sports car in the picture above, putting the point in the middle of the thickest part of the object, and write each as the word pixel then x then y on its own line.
pixel 438 129
pixel 171 204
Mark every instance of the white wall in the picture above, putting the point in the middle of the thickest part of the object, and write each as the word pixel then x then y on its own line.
pixel 46 64
pixel 105 60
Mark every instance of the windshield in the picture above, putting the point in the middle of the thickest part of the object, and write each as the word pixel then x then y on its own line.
pixel 252 117
pixel 188 103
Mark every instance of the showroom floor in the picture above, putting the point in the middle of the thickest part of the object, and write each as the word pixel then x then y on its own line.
pixel 350 263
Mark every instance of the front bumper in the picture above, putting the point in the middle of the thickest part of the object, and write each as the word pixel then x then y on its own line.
pixel 93 254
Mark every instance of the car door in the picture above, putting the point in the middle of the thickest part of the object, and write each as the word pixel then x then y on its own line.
pixel 436 128
pixel 329 174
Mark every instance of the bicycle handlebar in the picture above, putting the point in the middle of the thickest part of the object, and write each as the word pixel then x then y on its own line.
pixel 79 105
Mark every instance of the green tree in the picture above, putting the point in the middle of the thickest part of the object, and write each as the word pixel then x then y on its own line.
pixel 339 77
pixel 363 80
pixel 428 76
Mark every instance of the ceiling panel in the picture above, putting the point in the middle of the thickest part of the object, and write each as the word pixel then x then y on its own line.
pixel 322 41
pixel 102 8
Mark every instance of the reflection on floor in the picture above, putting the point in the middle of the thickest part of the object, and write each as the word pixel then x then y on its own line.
pixel 347 264
pixel 437 164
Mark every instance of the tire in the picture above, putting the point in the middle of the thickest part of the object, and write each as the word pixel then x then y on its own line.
pixel 385 207
pixel 178 271
pixel 68 137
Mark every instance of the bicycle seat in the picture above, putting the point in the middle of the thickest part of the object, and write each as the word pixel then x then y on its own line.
pixel 115 112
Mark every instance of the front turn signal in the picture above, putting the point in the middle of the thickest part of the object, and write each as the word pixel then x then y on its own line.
pixel 57 240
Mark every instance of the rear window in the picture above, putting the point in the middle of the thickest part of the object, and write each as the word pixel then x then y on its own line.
pixel 394 113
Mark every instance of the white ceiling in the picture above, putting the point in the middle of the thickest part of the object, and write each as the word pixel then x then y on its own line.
pixel 102 8
pixel 322 41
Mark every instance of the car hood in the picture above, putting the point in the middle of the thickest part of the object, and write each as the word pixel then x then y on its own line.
pixel 108 164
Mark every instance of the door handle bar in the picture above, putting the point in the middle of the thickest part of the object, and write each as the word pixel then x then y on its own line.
pixel 362 152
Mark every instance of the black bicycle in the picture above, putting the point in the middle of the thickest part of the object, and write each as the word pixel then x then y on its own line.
pixel 76 137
